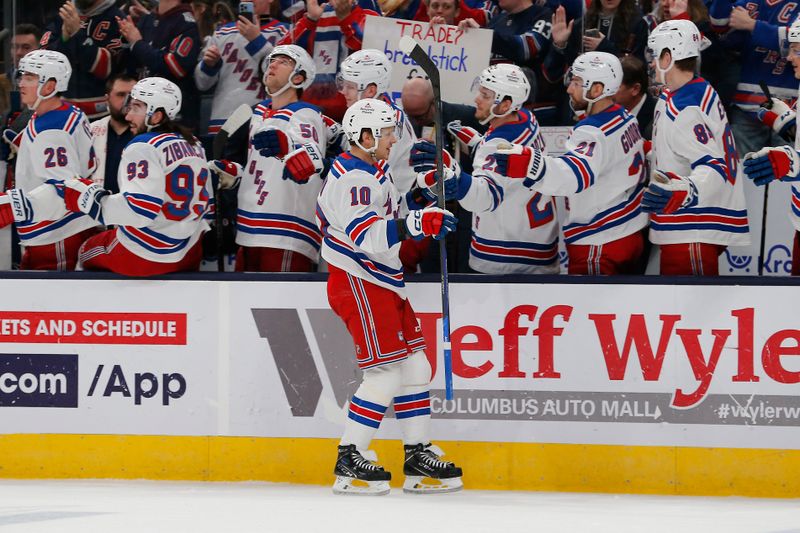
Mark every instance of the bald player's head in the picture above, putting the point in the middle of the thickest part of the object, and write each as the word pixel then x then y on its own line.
pixel 417 98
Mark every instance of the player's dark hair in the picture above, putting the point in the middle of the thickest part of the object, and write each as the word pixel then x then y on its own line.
pixel 169 125
pixel 634 71
pixel 687 65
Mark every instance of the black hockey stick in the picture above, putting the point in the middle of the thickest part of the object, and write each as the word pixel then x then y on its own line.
pixel 411 48
pixel 767 105
pixel 234 122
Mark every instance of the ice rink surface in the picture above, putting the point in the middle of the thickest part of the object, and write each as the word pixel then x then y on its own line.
pixel 137 506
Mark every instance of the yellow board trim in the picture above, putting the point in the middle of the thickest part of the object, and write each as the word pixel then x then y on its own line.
pixel 487 465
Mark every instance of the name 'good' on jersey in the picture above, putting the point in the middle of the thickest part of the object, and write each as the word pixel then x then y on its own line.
pixel 354 211
pixel 274 212
pixel 164 197
pixel 53 147
pixel 692 138
pixel 514 230
pixel 237 76
pixel 603 175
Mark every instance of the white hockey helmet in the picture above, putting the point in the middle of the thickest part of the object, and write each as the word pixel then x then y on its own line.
pixel 157 93
pixel 597 67
pixel 371 114
pixel 47 65
pixel 680 37
pixel 506 80
pixel 793 33
pixel 365 67
pixel 303 64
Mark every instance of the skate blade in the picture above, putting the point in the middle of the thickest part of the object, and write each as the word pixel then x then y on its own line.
pixel 349 486
pixel 428 485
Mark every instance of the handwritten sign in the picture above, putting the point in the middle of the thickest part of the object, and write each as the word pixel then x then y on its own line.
pixel 460 55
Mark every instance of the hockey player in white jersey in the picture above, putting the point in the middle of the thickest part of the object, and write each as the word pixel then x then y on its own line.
pixel 602 174
pixel 280 181
pixel 231 60
pixel 695 195
pixel 366 74
pixel 514 230
pixel 360 214
pixel 782 163
pixel 55 146
pixel 164 193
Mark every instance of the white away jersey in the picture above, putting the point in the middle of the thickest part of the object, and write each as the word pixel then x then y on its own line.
pixel 514 230
pixel 403 174
pixel 602 175
pixel 356 212
pixel 163 199
pixel 794 212
pixel 237 77
pixel 53 147
pixel 692 138
pixel 275 212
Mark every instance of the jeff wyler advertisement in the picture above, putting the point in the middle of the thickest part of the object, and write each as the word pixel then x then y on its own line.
pixel 592 364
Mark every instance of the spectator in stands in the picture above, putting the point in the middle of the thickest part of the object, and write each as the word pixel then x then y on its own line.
pixel 26 39
pixel 86 32
pixel 210 15
pixel 417 98
pixel 633 94
pixel 718 65
pixel 166 43
pixel 613 26
pixel 522 36
pixel 759 34
pixel 111 134
pixel 342 22
pixel 231 62
pixel 451 12
pixel 444 12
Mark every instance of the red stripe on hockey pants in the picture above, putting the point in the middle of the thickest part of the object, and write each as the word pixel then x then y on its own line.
pixel 690 259
pixel 61 255
pixel 622 256
pixel 104 252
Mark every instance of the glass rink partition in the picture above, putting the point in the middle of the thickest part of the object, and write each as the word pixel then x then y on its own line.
pixel 642 384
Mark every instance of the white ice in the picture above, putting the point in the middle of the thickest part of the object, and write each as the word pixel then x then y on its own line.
pixel 139 506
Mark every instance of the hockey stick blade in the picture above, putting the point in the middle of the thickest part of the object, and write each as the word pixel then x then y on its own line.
pixel 234 122
pixel 238 119
pixel 412 48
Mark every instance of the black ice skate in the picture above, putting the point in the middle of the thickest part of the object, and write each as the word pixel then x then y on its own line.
pixel 426 473
pixel 357 475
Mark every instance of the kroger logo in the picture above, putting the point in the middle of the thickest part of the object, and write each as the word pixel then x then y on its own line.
pixel 38 380
pixel 778 261
pixel 740 263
